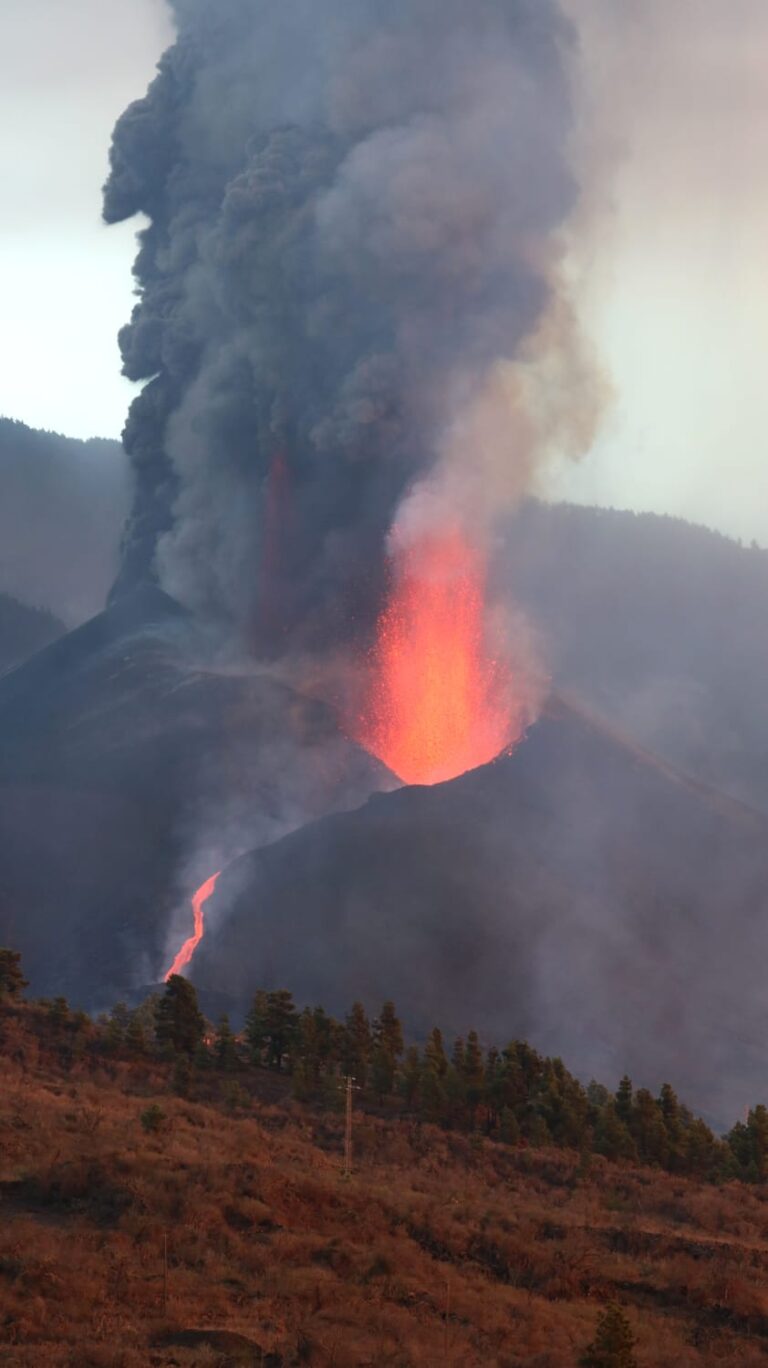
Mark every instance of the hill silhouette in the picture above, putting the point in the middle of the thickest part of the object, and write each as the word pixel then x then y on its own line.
pixel 659 624
pixel 24 630
pixel 63 505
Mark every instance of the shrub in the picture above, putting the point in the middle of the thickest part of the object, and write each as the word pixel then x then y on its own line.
pixel 153 1119
pixel 613 1343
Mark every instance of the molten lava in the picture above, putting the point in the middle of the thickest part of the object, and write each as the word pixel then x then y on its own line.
pixel 439 704
pixel 189 947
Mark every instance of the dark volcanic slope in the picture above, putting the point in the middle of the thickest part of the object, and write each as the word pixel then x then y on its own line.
pixel 578 893
pixel 126 768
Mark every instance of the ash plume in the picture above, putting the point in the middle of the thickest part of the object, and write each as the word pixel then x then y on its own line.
pixel 351 264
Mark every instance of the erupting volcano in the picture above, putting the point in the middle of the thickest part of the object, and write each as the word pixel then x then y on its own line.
pixel 189 947
pixel 439 703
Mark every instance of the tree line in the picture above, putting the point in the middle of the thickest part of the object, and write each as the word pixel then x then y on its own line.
pixel 513 1095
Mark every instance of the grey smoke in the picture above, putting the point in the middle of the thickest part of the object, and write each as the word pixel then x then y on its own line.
pixel 352 208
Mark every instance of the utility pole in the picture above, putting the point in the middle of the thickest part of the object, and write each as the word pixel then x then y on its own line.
pixel 350 1088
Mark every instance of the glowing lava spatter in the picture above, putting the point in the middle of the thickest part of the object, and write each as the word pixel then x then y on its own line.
pixel 189 947
pixel 439 705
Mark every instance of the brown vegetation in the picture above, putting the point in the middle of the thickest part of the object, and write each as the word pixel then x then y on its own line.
pixel 442 1248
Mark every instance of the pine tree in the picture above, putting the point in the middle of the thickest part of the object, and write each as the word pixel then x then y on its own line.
pixel 225 1047
pixel 412 1076
pixel 509 1131
pixel 670 1107
pixel 135 1036
pixel 757 1126
pixel 671 1115
pixel 282 1023
pixel 624 1100
pixel 435 1058
pixel 613 1343
pixel 537 1131
pixel 434 1073
pixel 612 1137
pixel 474 1074
pixel 703 1154
pixel 179 1024
pixel 388 1031
pixel 256 1028
pixel 357 1045
pixel 114 1036
pixel 648 1129
pixel 473 1061
pixel 58 1013
pixel 316 1042
pixel 117 1025
pixel 387 1049
pixel 182 1075
pixel 12 980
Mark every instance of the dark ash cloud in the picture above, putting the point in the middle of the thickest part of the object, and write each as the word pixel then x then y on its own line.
pixel 352 218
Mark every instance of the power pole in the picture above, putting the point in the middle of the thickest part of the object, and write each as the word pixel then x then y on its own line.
pixel 350 1088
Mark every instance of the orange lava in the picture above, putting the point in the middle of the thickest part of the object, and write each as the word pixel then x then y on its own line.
pixel 438 704
pixel 189 947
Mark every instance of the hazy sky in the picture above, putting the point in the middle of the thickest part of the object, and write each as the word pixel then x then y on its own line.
pixel 67 69
pixel 671 265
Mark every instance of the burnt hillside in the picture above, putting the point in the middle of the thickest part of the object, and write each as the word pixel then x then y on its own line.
pixel 442 1247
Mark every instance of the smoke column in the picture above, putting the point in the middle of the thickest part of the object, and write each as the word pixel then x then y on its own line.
pixel 347 284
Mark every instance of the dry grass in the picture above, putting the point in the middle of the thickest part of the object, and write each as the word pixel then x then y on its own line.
pixel 440 1250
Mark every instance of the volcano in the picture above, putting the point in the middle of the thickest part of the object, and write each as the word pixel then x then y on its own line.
pixel 578 893
pixel 124 754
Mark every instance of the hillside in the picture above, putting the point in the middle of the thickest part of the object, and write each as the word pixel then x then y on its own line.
pixel 128 764
pixel 23 631
pixel 611 903
pixel 655 622
pixel 442 1247
pixel 63 505
pixel 578 893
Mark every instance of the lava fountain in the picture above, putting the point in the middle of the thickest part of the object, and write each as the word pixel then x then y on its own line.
pixel 439 701
pixel 189 947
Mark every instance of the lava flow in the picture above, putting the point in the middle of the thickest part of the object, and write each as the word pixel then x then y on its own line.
pixel 438 703
pixel 189 947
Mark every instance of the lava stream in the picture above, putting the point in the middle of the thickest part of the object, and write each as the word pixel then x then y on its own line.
pixel 439 704
pixel 189 947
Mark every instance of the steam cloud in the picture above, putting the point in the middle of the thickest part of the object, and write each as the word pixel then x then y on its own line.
pixel 347 289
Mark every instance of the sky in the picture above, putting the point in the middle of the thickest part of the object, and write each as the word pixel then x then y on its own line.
pixel 669 256
pixel 67 70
